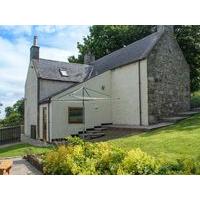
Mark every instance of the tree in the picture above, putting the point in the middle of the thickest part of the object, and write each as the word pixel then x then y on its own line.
pixel 105 39
pixel 8 110
pixel 189 41
pixel 14 114
pixel 13 119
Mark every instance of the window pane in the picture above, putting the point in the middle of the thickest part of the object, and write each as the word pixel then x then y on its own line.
pixel 75 115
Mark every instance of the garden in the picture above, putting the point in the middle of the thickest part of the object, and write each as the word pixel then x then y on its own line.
pixel 171 150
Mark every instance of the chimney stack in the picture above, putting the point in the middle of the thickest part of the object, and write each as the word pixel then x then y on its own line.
pixel 34 51
pixel 166 28
pixel 89 58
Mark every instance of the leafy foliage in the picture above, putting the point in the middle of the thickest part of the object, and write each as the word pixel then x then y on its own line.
pixel 181 167
pixel 79 157
pixel 105 39
pixel 189 41
pixel 13 119
pixel 138 162
pixel 195 100
pixel 84 158
pixel 14 114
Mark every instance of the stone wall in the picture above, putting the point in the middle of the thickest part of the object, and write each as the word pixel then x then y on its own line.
pixel 168 79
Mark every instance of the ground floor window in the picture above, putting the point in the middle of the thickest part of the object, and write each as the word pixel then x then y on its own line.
pixel 75 115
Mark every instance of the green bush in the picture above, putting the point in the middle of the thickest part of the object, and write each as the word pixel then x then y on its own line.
pixel 137 162
pixel 74 141
pixel 79 157
pixel 180 167
pixel 195 100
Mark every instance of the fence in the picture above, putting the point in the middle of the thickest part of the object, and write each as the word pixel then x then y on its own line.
pixel 10 134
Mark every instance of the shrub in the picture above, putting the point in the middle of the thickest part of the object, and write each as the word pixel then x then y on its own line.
pixel 137 162
pixel 79 157
pixel 83 158
pixel 74 140
pixel 180 167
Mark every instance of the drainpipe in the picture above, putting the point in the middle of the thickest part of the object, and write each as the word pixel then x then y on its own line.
pixel 49 122
pixel 140 106
pixel 38 109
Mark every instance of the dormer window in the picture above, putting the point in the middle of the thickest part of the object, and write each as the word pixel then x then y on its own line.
pixel 64 72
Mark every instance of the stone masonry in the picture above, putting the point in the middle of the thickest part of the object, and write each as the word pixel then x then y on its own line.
pixel 168 79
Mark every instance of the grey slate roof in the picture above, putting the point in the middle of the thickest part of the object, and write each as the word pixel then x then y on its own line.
pixel 129 54
pixel 50 69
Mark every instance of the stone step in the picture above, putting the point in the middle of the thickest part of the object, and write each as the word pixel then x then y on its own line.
pixel 100 129
pixel 189 113
pixel 92 131
pixel 173 119
pixel 91 136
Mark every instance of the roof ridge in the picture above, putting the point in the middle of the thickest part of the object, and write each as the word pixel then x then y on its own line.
pixel 133 43
pixel 62 62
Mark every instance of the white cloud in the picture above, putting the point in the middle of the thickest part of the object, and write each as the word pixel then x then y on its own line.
pixel 14 54
pixel 55 53
pixel 64 37
pixel 18 30
pixel 49 28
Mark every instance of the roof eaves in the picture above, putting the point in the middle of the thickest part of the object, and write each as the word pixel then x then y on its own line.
pixel 51 79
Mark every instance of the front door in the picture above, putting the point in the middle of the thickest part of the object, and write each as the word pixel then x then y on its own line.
pixel 44 123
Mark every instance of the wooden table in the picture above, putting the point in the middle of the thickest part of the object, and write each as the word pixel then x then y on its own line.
pixel 5 166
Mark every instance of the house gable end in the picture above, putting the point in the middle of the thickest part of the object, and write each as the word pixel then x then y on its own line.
pixel 168 79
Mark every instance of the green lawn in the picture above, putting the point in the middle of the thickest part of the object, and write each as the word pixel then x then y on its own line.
pixel 21 150
pixel 181 140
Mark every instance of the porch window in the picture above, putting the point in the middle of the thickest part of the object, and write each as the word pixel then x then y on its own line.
pixel 75 115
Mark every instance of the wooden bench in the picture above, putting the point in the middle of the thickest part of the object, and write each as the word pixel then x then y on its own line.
pixel 5 167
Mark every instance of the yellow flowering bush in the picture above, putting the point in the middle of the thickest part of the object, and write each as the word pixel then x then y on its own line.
pixel 138 162
pixel 85 158
pixel 80 157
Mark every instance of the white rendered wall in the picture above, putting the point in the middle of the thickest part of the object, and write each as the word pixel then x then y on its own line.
pixel 31 102
pixel 125 86
pixel 96 112
pixel 122 83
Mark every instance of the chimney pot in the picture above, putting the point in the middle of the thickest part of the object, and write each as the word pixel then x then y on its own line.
pixel 35 41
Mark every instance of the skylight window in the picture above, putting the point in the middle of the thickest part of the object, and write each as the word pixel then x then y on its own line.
pixel 64 72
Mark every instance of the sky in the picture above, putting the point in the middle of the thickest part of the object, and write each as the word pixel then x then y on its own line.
pixel 56 43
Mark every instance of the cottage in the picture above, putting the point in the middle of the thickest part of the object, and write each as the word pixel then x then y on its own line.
pixel 136 85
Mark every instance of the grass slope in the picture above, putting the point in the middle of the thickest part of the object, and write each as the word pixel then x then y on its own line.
pixel 21 150
pixel 181 140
